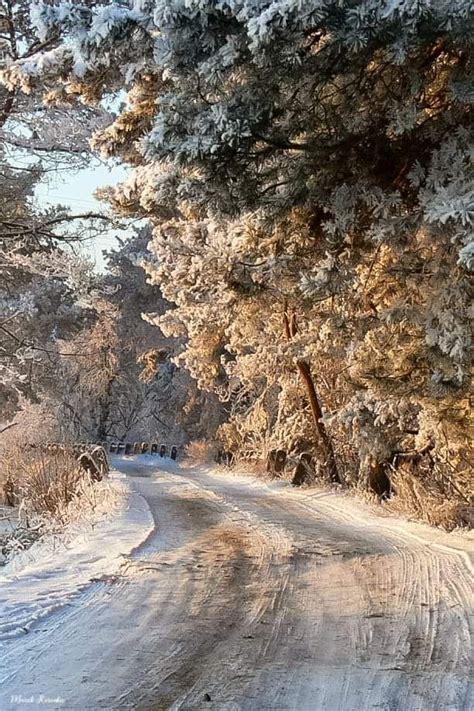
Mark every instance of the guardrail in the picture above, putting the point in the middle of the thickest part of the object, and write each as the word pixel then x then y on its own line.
pixel 133 448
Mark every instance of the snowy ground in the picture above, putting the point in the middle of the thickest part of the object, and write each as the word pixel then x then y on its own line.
pixel 8 523
pixel 249 595
pixel 56 568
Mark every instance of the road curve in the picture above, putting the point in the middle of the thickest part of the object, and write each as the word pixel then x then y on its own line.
pixel 254 596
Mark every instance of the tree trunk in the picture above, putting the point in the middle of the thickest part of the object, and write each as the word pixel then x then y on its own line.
pixel 304 371
pixel 7 108
pixel 319 426
pixel 104 413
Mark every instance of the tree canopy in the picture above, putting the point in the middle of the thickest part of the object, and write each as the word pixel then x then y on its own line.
pixel 307 168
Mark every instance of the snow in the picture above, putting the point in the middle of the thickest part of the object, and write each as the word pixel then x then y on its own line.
pixel 8 519
pixel 8 523
pixel 149 460
pixel 48 575
pixel 251 594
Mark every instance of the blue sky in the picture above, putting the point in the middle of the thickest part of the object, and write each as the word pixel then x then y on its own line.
pixel 76 190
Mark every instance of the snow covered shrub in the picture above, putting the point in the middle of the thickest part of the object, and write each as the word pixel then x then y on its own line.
pixel 40 486
pixel 11 460
pixel 428 494
pixel 51 491
pixel 47 482
pixel 44 483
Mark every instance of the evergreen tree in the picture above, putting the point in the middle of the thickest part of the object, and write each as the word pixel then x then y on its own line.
pixel 307 167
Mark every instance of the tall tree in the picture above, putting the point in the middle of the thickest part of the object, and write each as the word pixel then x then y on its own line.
pixel 309 159
pixel 39 280
pixel 116 377
pixel 39 289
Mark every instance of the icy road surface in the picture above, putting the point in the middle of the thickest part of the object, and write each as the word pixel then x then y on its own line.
pixel 249 595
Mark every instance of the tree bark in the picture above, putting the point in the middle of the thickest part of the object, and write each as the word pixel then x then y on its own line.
pixel 319 426
pixel 7 108
pixel 105 405
pixel 304 371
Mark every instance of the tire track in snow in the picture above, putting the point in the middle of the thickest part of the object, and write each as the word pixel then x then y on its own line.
pixel 252 596
pixel 427 644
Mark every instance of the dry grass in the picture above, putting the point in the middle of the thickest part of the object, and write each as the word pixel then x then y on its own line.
pixel 258 468
pixel 255 467
pixel 43 483
pixel 200 452
pixel 425 490
pixel 51 491
pixel 429 501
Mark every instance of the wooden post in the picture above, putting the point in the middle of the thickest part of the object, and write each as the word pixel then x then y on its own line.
pixel 271 457
pixel 280 461
pixel 9 492
pixel 302 470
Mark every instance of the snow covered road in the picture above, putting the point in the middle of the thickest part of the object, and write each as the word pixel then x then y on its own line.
pixel 248 595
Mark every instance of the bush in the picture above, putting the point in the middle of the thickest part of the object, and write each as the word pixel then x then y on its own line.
pixel 200 452
pixel 433 497
pixel 42 483
pixel 50 491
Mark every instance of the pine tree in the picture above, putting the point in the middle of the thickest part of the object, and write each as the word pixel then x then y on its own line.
pixel 302 158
